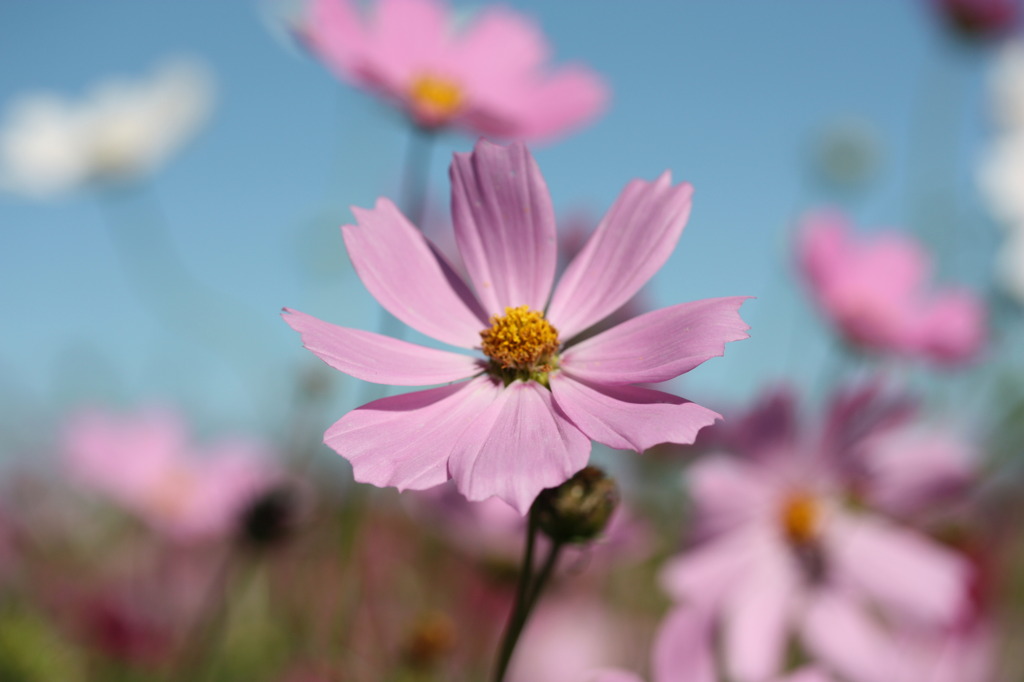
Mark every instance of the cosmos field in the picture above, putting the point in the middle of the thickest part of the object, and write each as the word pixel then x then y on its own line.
pixel 407 340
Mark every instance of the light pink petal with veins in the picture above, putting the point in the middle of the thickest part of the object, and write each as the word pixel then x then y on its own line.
pixel 905 573
pixel 380 359
pixel 659 345
pixel 683 651
pixel 629 417
pixel 519 445
pixel 630 244
pixel 400 268
pixel 756 618
pixel 504 225
pixel 405 441
pixel 840 632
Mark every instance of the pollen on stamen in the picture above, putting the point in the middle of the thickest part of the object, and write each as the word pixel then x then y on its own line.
pixel 435 99
pixel 801 518
pixel 521 339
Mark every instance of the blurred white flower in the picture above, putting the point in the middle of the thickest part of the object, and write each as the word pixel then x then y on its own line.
pixel 1001 174
pixel 1001 177
pixel 1010 265
pixel 121 130
pixel 1006 82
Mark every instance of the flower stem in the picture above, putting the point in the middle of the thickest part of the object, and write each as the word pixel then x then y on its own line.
pixel 416 174
pixel 528 592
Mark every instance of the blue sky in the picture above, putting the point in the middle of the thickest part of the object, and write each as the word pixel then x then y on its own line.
pixel 729 95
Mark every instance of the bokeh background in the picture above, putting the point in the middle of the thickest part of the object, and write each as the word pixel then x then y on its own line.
pixel 767 108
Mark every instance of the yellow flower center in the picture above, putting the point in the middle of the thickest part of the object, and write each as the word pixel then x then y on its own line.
pixel 801 518
pixel 521 342
pixel 435 99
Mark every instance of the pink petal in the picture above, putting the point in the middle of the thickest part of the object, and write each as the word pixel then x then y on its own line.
pixel 334 30
pixel 409 38
pixel 402 271
pixel 659 345
pixel 629 417
pixel 631 243
pixel 123 456
pixel 518 446
pixel 952 329
pixel 727 493
pixel 707 572
pixel 499 46
pixel 504 225
pixel 405 440
pixel 841 633
pixel 756 619
pixel 380 359
pixel 905 572
pixel 569 98
pixel 682 650
pixel 916 469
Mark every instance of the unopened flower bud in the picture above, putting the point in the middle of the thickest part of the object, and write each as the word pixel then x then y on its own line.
pixel 578 510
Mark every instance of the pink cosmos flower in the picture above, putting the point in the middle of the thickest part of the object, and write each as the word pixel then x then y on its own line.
pixel 145 463
pixel 488 78
pixel 873 291
pixel 791 547
pixel 684 652
pixel 533 402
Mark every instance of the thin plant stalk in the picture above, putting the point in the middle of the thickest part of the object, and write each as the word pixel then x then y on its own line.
pixel 528 592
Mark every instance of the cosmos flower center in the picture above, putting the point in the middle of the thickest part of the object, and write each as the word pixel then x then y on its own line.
pixel 435 99
pixel 801 518
pixel 521 341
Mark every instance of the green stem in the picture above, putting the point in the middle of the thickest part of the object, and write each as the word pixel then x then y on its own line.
pixel 528 592
pixel 416 173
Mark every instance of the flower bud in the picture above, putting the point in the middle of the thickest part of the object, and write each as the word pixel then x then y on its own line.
pixel 578 510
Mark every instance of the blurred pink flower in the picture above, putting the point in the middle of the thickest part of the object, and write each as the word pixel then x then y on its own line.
pixel 145 463
pixel 786 551
pixel 873 291
pixel 488 78
pixel 979 19
pixel 565 638
pixel 524 420
pixel 960 654
pixel 684 652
